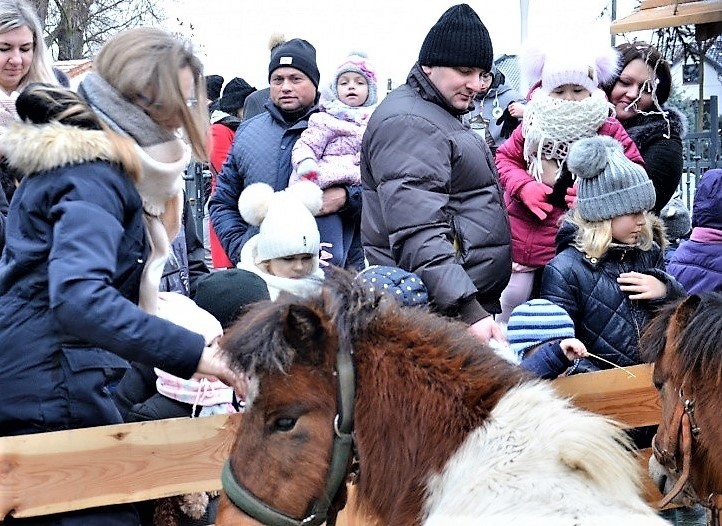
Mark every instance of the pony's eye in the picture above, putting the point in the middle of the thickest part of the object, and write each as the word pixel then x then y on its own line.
pixel 658 384
pixel 284 424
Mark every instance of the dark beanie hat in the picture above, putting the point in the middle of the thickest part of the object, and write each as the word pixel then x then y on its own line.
pixel 214 83
pixel 296 53
pixel 458 39
pixel 225 292
pixel 234 95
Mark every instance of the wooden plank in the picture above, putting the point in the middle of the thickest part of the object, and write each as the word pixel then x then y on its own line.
pixel 702 12
pixel 82 468
pixel 633 401
pixel 648 4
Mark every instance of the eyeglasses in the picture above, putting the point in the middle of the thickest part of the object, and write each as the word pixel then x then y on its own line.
pixel 147 101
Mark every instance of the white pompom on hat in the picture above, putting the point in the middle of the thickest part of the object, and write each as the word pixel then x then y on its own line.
pixel 286 219
pixel 560 64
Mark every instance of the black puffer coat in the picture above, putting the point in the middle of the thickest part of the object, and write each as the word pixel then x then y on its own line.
pixel 432 202
pixel 605 319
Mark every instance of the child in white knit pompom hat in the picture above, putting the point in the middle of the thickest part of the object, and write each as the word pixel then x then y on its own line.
pixel 566 105
pixel 286 249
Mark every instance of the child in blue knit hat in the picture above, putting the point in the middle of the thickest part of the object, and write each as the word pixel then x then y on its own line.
pixel 542 336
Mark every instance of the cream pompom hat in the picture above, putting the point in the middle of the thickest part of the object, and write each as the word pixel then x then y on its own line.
pixel 286 219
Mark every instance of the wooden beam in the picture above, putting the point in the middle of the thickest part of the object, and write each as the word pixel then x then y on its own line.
pixel 647 4
pixel 83 468
pixel 633 401
pixel 699 12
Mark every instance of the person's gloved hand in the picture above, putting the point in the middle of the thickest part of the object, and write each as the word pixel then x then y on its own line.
pixel 308 169
pixel 571 197
pixel 508 123
pixel 534 196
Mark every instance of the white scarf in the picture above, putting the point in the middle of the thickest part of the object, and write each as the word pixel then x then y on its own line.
pixel 164 157
pixel 551 125
pixel 161 188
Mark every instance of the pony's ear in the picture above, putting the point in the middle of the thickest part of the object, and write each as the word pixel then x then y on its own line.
pixel 303 331
pixel 683 314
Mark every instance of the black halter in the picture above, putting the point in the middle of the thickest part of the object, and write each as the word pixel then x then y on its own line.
pixel 338 469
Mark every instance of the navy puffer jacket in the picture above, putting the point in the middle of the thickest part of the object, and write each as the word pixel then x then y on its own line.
pixel 70 273
pixel 605 319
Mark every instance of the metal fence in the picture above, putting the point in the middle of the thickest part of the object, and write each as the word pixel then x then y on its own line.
pixel 197 182
pixel 701 152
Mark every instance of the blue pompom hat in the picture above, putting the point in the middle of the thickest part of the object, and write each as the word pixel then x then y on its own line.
pixel 535 322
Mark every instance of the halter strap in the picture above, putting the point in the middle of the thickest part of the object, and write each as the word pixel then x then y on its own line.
pixel 338 470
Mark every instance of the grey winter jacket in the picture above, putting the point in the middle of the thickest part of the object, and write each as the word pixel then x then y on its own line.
pixel 432 202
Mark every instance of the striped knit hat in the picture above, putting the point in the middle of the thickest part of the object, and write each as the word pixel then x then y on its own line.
pixel 535 322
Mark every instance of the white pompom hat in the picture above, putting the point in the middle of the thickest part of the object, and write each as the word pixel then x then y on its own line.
pixel 286 219
pixel 558 64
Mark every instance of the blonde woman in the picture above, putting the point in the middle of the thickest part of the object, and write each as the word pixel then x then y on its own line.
pixel 23 59
pixel 86 233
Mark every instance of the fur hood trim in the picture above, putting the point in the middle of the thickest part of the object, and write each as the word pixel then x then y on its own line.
pixel 645 129
pixel 32 148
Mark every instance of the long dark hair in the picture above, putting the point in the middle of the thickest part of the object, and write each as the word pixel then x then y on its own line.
pixel 652 57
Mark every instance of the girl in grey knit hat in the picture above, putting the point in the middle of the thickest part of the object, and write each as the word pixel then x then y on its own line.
pixel 609 271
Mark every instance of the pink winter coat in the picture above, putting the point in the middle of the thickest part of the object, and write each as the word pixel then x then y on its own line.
pixel 532 240
pixel 335 144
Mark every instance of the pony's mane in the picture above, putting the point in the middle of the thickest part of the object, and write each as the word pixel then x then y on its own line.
pixel 691 327
pixel 353 312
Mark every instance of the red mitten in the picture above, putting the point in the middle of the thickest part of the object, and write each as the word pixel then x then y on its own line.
pixel 534 196
pixel 571 197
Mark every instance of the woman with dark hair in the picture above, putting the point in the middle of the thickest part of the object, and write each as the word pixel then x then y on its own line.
pixel 639 93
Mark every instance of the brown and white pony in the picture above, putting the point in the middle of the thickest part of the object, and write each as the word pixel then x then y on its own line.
pixel 685 342
pixel 444 430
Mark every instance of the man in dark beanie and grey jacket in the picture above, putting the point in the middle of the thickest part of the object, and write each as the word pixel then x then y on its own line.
pixel 431 199
pixel 261 150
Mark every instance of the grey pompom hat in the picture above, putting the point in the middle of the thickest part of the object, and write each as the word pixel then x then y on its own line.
pixel 608 183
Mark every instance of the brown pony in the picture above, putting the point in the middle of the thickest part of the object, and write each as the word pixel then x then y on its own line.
pixel 685 342
pixel 433 427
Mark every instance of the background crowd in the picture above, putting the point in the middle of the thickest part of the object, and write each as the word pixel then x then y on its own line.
pixel 545 221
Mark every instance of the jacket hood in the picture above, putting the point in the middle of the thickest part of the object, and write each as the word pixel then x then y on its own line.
pixel 32 148
pixel 420 82
pixel 707 206
pixel 645 129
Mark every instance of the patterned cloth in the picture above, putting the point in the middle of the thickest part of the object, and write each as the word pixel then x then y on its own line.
pixel 406 287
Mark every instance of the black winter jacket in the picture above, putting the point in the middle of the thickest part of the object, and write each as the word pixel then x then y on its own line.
pixel 660 142
pixel 432 202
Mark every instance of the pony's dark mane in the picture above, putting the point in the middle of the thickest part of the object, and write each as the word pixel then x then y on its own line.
pixel 356 312
pixel 695 326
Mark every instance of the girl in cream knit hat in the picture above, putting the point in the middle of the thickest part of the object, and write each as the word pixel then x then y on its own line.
pixel 285 251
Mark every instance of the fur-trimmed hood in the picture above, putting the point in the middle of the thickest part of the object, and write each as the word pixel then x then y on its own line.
pixel 33 148
pixel 644 129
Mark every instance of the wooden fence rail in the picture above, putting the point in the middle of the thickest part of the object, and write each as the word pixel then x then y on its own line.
pixel 81 468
